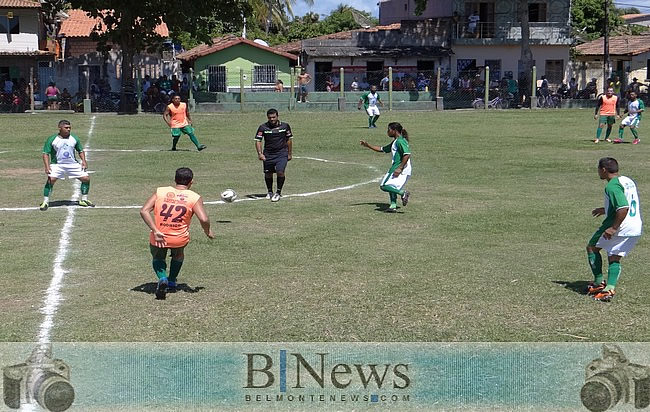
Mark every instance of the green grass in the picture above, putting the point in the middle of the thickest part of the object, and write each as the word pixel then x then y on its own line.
pixel 491 247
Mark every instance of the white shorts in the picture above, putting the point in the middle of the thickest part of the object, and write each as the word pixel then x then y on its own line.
pixel 617 245
pixel 397 182
pixel 632 121
pixel 372 111
pixel 63 170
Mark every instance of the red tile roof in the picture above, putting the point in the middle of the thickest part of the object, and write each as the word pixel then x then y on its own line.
pixel 634 16
pixel 296 46
pixel 27 53
pixel 20 4
pixel 618 45
pixel 80 24
pixel 221 43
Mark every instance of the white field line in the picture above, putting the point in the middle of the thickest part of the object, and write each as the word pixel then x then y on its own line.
pixel 220 202
pixel 53 294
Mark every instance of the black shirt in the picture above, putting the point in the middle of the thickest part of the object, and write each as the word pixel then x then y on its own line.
pixel 275 138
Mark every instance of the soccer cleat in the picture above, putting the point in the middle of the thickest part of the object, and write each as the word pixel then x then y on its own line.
pixel 276 197
pixel 392 210
pixel 173 149
pixel 269 195
pixel 596 140
pixel 405 197
pixel 608 140
pixel 636 141
pixel 593 288
pixel 171 286
pixel 618 140
pixel 202 147
pixel 161 289
pixel 605 296
pixel 44 206
pixel 86 203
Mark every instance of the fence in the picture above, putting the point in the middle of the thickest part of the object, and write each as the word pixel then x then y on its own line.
pixel 262 87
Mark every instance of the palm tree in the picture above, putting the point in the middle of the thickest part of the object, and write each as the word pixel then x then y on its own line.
pixel 275 12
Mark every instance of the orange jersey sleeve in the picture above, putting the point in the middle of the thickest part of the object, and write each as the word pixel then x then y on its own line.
pixel 178 115
pixel 173 212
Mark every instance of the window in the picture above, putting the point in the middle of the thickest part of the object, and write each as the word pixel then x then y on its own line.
pixel 11 26
pixel 217 79
pixel 264 74
pixel 495 68
pixel 466 67
pixel 554 71
pixel 536 12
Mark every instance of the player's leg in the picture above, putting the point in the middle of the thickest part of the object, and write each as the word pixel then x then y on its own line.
pixel 159 264
pixel 595 264
pixel 269 169
pixel 178 256
pixel 634 129
pixel 610 124
pixel 393 185
pixel 601 123
pixel 370 117
pixel 617 247
pixel 176 134
pixel 47 190
pixel 189 130
pixel 375 113
pixel 280 166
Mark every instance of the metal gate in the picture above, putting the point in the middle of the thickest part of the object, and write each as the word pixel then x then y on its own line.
pixel 217 79
pixel 46 74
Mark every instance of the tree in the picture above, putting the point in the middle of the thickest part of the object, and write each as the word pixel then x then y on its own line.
pixel 131 26
pixel 588 18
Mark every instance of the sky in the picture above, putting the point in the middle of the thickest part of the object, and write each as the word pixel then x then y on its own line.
pixel 325 7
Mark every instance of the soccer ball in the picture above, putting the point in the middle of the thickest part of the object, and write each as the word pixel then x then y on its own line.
pixel 228 195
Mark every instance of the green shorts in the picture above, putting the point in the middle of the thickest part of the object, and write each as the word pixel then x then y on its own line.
pixel 610 120
pixel 176 132
pixel 52 98
pixel 594 239
pixel 160 253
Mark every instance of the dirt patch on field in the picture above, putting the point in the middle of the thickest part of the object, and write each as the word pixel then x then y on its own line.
pixel 17 172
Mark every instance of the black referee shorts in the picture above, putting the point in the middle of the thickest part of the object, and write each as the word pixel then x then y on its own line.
pixel 276 164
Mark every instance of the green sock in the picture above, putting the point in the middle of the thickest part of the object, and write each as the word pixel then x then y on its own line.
pixel 48 188
pixel 174 269
pixel 369 121
pixel 175 142
pixel 85 187
pixel 195 140
pixel 612 275
pixel 596 265
pixel 620 132
pixel 608 132
pixel 393 200
pixel 391 189
pixel 634 133
pixel 160 267
pixel 599 131
pixel 374 119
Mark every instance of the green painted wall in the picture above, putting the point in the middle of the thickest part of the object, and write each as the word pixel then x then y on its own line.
pixel 242 56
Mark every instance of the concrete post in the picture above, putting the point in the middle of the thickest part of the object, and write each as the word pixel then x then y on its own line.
pixel 241 89
pixel 190 98
pixel 533 94
pixel 390 88
pixel 486 98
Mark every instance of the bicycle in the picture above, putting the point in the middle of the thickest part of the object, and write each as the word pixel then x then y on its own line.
pixel 548 101
pixel 496 103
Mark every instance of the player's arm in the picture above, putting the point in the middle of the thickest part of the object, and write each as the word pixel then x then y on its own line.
pixel 618 109
pixel 371 147
pixel 405 151
pixel 46 163
pixel 258 143
pixel 84 163
pixel 289 148
pixel 199 211
pixel 599 211
pixel 641 105
pixel 167 117
pixel 187 113
pixel 359 104
pixel 145 213
pixel 621 213
pixel 379 101
pixel 599 102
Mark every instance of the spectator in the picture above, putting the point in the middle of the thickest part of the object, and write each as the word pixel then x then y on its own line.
pixel 363 84
pixel 17 103
pixel 472 23
pixel 543 89
pixel 185 89
pixel 573 88
pixel 9 85
pixel 616 85
pixel 52 93
pixel 513 88
pixel 146 84
pixel 66 99
pixel 279 86
pixel 328 84
pixel 384 83
pixel 635 86
pixel 355 85
pixel 465 83
pixel 303 80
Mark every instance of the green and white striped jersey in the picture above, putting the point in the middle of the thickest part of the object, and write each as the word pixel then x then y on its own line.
pixel 62 150
pixel 621 192
pixel 398 148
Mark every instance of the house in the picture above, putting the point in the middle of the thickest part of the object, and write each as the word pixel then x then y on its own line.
pixel 219 64
pixel 80 58
pixel 639 19
pixel 443 36
pixel 629 57
pixel 23 44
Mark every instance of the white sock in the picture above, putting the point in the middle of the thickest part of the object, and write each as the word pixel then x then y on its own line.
pixel 46 199
pixel 84 197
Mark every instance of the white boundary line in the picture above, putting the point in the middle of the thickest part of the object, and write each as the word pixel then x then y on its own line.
pixel 247 199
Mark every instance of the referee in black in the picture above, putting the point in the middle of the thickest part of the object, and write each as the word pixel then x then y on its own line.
pixel 277 151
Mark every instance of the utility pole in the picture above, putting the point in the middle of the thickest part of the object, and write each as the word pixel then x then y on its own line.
pixel 606 72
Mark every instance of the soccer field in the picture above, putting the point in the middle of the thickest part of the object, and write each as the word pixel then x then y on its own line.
pixel 490 247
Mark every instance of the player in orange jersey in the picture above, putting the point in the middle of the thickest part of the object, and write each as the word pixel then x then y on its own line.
pixel 177 116
pixel 173 208
pixel 609 112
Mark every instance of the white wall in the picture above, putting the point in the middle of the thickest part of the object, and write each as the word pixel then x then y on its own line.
pixel 27 39
pixel 510 55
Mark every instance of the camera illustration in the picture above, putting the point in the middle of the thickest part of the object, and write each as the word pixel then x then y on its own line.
pixel 39 379
pixel 613 379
